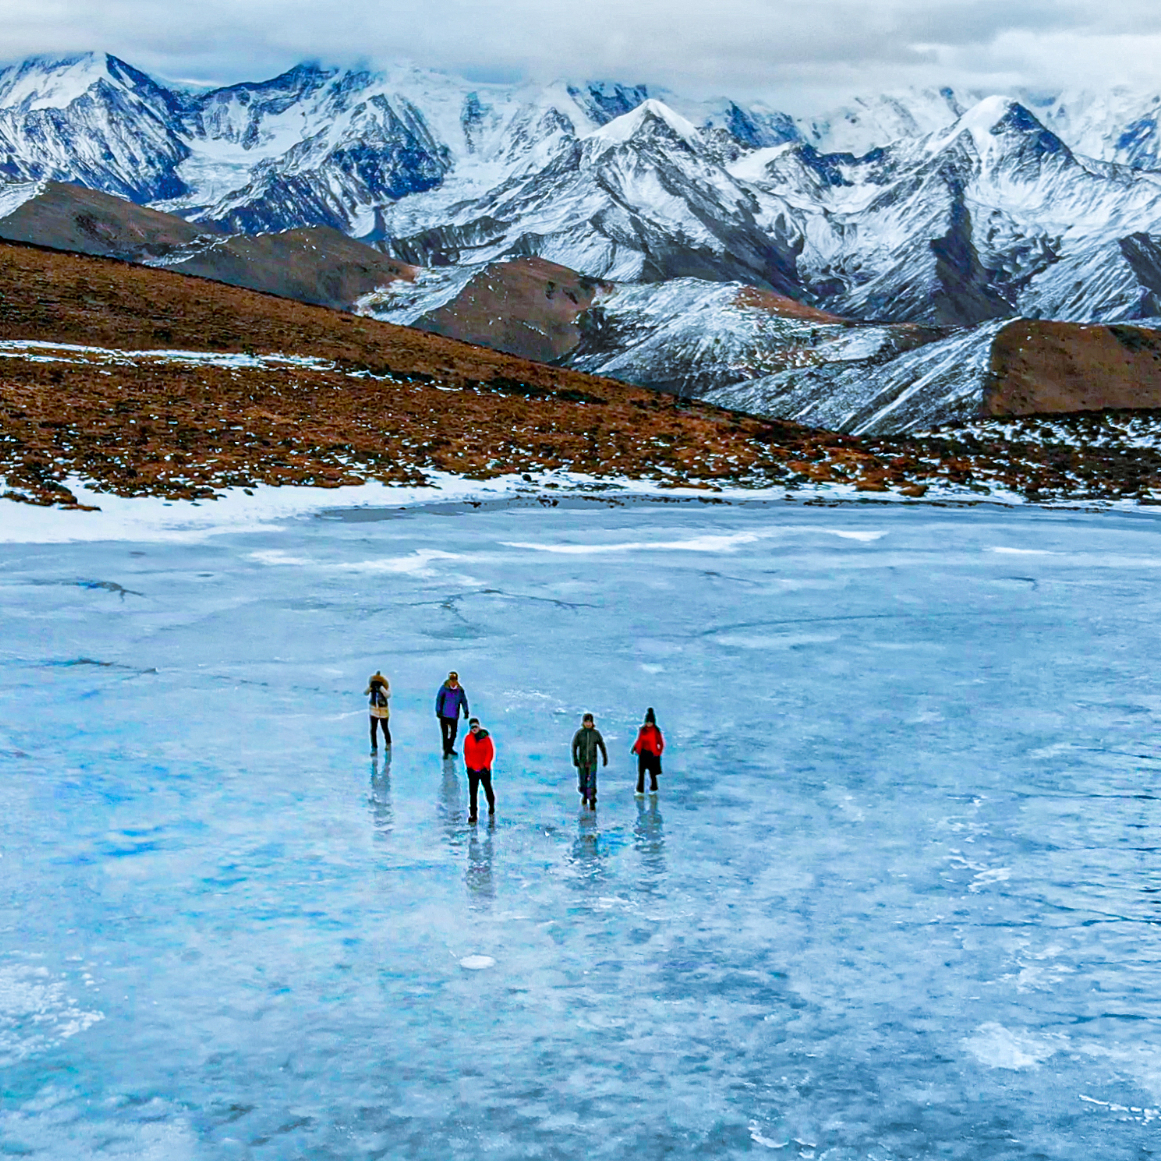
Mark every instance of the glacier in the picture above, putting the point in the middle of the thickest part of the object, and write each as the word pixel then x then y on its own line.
pixel 896 898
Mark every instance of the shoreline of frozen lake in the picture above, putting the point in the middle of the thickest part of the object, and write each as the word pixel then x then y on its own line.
pixel 259 508
pixel 898 896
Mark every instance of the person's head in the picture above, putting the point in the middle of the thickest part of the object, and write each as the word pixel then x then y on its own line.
pixel 453 678
pixel 650 717
pixel 587 721
pixel 474 725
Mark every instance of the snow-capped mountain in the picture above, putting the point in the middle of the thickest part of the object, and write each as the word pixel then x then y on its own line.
pixel 991 217
pixel 639 198
pixel 94 120
pixel 935 206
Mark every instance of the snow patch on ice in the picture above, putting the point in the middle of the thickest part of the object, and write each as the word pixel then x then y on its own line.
pixel 415 564
pixel 694 544
pixel 35 1012
pixel 984 878
pixel 477 963
pixel 997 1047
pixel 765 1142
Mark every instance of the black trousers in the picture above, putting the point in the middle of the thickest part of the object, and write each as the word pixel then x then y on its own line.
pixel 449 727
pixel 476 779
pixel 382 724
pixel 652 764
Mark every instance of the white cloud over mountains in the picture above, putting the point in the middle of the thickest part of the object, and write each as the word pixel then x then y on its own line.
pixel 801 54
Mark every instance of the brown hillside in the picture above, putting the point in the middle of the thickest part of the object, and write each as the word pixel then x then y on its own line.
pixel 527 307
pixel 316 265
pixel 781 305
pixel 70 298
pixel 71 217
pixel 377 402
pixel 396 403
pixel 1040 367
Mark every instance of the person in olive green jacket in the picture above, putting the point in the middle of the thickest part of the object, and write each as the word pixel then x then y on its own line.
pixel 586 742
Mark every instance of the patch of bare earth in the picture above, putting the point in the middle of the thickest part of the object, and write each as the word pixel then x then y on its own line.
pixel 1040 366
pixel 527 307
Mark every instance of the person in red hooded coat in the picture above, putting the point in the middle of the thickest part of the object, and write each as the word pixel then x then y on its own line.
pixel 479 753
pixel 648 747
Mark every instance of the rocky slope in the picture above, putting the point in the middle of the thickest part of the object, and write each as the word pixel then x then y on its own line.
pixel 684 335
pixel 784 266
pixel 143 382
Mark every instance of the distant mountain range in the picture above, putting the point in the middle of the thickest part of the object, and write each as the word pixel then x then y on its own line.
pixel 672 218
pixel 940 208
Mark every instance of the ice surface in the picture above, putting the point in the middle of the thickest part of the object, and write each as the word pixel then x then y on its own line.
pixel 897 898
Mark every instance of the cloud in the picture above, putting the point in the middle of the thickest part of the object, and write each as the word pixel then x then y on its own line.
pixel 795 52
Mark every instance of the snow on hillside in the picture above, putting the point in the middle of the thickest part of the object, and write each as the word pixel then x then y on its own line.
pixel 13 196
pixel 691 335
pixel 867 394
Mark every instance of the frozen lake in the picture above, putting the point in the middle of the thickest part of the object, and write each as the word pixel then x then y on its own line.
pixel 898 896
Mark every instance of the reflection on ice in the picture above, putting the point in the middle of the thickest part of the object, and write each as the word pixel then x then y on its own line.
pixel 380 798
pixel 898 896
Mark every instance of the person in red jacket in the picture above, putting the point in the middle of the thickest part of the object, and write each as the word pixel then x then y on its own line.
pixel 478 756
pixel 648 747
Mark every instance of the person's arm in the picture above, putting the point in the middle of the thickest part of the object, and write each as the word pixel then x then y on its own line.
pixel 637 744
pixel 489 753
pixel 464 701
pixel 576 748
pixel 604 752
pixel 660 743
pixel 438 696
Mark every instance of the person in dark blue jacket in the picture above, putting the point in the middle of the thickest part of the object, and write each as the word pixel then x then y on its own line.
pixel 450 700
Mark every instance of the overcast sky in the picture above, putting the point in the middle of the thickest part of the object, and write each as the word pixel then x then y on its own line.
pixel 801 54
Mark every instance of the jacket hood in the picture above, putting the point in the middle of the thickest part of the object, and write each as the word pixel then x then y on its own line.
pixel 479 735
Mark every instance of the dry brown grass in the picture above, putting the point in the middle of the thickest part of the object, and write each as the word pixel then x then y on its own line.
pixel 395 404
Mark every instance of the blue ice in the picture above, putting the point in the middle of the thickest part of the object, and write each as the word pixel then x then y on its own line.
pixel 898 896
